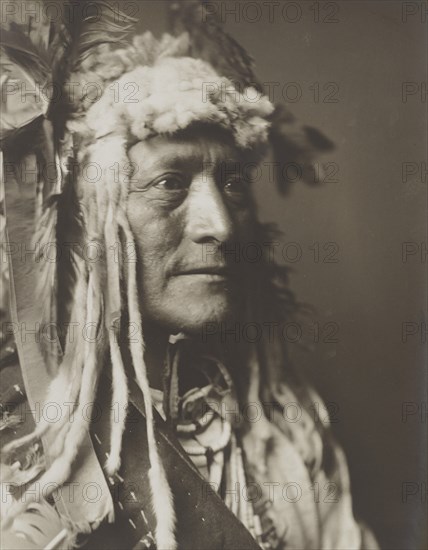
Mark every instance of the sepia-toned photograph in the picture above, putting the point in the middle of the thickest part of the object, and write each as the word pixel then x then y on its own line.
pixel 213 274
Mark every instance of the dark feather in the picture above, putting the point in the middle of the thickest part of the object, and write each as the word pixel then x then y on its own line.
pixel 291 141
pixel 75 38
pixel 210 42
pixel 295 143
pixel 16 43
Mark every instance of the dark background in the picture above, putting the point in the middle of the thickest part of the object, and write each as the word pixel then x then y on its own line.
pixel 368 50
pixel 369 293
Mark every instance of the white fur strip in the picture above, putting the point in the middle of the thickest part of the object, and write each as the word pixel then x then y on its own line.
pixel 163 507
pixel 119 406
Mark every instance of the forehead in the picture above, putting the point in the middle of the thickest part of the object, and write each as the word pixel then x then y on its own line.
pixel 186 151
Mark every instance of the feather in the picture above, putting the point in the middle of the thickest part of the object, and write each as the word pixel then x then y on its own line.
pixel 45 52
pixel 75 38
pixel 293 142
pixel 37 55
pixel 22 51
pixel 93 25
pixel 22 100
pixel 26 106
pixel 26 73
pixel 210 42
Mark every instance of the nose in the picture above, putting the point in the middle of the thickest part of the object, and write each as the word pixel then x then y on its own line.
pixel 208 217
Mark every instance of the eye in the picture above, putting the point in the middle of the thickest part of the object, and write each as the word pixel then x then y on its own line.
pixel 236 185
pixel 171 182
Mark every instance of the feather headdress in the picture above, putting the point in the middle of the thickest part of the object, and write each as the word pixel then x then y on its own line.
pixel 64 133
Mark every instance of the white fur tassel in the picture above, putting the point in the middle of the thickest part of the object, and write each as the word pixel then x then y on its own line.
pixel 102 152
pixel 163 507
pixel 120 404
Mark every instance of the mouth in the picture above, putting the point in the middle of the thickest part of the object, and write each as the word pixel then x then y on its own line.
pixel 213 273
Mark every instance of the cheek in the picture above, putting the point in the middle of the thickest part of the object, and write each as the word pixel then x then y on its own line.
pixel 155 233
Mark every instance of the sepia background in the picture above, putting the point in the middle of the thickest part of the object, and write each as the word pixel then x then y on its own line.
pixel 369 363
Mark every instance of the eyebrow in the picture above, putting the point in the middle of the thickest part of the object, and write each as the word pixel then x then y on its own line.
pixel 184 162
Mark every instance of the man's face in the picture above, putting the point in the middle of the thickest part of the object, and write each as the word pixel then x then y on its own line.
pixel 189 210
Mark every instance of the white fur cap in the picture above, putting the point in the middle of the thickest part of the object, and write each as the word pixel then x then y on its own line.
pixel 173 93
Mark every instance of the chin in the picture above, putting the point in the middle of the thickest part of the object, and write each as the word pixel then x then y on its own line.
pixel 203 323
pixel 196 316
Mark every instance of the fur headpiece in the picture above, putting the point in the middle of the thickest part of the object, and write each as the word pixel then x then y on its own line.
pixel 169 94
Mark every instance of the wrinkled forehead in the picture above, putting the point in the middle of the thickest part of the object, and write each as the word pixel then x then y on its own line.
pixel 197 148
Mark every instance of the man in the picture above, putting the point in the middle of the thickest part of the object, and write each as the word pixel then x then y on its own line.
pixel 152 288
